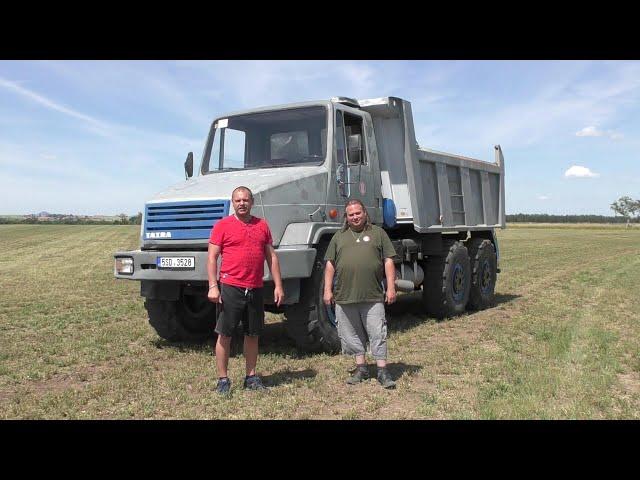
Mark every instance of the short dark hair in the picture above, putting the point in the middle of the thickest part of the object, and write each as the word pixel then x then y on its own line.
pixel 246 189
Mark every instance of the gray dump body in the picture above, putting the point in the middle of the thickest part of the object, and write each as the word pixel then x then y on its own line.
pixel 434 191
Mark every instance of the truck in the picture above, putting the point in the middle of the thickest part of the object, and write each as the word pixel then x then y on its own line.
pixel 303 161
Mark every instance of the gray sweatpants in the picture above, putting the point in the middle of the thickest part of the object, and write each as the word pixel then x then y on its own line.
pixel 362 323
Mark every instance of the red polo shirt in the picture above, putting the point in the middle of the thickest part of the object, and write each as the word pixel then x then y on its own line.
pixel 242 249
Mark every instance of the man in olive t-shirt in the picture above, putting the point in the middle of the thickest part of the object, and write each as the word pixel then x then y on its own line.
pixel 360 257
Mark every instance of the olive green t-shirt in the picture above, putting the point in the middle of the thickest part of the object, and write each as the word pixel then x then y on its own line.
pixel 359 262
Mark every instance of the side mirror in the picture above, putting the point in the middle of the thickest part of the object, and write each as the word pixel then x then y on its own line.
pixel 188 166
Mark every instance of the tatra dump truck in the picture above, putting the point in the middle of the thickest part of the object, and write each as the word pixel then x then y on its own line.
pixel 302 161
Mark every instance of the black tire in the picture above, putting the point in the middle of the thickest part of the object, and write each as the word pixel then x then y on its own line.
pixel 484 272
pixel 447 281
pixel 190 319
pixel 309 323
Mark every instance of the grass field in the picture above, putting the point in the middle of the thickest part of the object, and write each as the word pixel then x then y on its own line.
pixel 563 341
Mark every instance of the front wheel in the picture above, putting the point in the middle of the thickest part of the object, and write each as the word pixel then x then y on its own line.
pixel 310 323
pixel 189 319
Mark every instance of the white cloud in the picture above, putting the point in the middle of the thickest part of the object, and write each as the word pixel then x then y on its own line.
pixel 53 105
pixel 544 197
pixel 116 180
pixel 549 108
pixel 359 76
pixel 580 172
pixel 589 132
pixel 593 131
pixel 86 197
pixel 249 84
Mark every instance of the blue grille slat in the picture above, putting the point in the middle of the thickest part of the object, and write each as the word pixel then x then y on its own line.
pixel 163 211
pixel 183 220
pixel 190 204
pixel 179 225
pixel 181 217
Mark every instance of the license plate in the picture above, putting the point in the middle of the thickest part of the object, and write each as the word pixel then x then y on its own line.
pixel 186 263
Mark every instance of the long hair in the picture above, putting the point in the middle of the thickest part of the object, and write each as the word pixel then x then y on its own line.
pixel 367 220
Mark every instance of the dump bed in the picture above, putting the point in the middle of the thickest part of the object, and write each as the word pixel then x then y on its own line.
pixel 434 191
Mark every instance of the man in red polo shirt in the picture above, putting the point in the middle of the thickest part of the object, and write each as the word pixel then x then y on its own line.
pixel 244 241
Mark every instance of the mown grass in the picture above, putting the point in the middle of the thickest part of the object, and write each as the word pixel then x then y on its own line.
pixel 562 342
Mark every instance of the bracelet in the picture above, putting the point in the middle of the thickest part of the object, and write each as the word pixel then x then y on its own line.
pixel 213 286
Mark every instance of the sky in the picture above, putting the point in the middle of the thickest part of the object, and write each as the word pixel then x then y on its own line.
pixel 101 137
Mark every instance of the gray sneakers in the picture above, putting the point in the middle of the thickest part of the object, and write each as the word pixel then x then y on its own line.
pixel 361 374
pixel 385 379
pixel 253 383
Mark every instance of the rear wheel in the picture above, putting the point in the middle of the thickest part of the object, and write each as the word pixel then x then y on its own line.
pixel 192 318
pixel 310 323
pixel 447 282
pixel 483 274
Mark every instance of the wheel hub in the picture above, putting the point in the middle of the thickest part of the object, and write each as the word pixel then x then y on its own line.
pixel 485 277
pixel 458 282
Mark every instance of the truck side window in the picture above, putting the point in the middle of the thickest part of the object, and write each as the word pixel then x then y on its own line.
pixel 340 153
pixel 355 139
pixel 342 172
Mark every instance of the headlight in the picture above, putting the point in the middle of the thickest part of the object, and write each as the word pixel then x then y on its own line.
pixel 124 265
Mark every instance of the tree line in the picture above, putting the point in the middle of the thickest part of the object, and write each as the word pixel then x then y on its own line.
pixel 123 219
pixel 626 207
pixel 545 218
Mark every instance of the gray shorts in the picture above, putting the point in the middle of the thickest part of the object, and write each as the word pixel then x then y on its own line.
pixel 362 323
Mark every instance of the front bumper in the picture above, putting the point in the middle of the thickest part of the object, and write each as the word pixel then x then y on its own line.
pixel 295 262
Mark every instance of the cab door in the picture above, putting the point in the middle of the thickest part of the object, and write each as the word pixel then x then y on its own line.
pixel 353 165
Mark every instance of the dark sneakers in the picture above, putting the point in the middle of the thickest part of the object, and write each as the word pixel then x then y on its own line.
pixel 224 386
pixel 253 383
pixel 385 379
pixel 361 374
pixel 250 383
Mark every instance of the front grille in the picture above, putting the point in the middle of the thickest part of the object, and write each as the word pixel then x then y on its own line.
pixel 183 220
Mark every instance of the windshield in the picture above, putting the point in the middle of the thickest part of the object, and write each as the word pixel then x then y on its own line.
pixel 280 138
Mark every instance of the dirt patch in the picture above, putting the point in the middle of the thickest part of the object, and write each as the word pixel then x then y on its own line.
pixel 630 382
pixel 78 380
pixel 65 381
